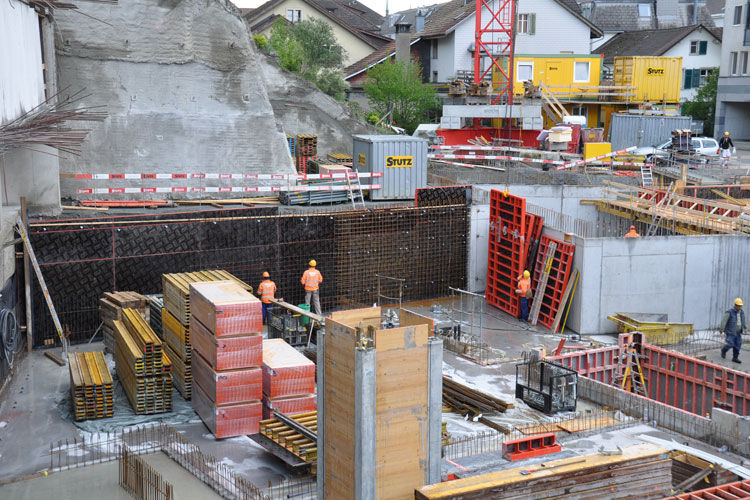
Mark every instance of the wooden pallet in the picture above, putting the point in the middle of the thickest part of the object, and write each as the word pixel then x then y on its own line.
pixel 91 386
pixel 283 436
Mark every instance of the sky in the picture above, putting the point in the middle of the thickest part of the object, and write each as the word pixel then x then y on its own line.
pixel 376 5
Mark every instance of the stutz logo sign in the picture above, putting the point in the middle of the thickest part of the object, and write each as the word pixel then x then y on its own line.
pixel 655 71
pixel 399 161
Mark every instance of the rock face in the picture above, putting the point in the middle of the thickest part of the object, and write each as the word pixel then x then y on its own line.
pixel 182 86
pixel 303 109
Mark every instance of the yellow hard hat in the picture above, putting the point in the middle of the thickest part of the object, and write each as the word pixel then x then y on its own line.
pixel 313 263
pixel 726 133
pixel 738 302
pixel 266 275
pixel 526 274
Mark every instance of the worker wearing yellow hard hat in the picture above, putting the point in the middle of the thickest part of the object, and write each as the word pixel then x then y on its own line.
pixel 311 279
pixel 524 290
pixel 266 291
pixel 733 325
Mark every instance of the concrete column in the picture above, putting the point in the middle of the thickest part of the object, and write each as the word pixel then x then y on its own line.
pixel 434 410
pixel 321 375
pixel 50 58
pixel 364 424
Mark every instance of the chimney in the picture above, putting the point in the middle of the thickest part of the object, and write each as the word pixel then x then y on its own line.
pixel 403 39
pixel 420 21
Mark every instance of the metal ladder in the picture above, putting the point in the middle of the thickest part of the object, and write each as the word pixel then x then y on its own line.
pixel 542 285
pixel 45 291
pixel 660 209
pixel 355 189
pixel 631 378
pixel 647 175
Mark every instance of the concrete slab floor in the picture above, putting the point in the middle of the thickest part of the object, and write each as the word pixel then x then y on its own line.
pixel 101 482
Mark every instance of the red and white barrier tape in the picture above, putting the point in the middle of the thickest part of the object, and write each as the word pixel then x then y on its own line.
pixel 595 158
pixel 494 157
pixel 226 189
pixel 282 177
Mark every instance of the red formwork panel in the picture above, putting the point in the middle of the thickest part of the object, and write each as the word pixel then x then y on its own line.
pixel 694 385
pixel 531 446
pixel 226 353
pixel 562 264
pixel 506 250
pixel 227 420
pixel 597 364
pixel 286 371
pixel 739 490
pixel 228 387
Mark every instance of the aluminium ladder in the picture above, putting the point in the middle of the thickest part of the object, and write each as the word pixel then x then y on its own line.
pixel 45 291
pixel 631 378
pixel 647 175
pixel 542 285
pixel 355 189
pixel 660 209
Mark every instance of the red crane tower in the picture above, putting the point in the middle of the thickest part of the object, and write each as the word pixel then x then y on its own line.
pixel 494 42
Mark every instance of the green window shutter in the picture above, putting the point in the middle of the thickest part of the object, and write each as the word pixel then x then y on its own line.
pixel 532 24
pixel 688 79
pixel 702 48
pixel 696 78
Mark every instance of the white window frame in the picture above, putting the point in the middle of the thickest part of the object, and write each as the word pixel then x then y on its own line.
pixel 523 24
pixel 743 63
pixel 588 71
pixel 579 110
pixel 524 63
pixel 733 63
pixel 641 12
pixel 704 76
pixel 694 47
pixel 737 21
pixel 434 49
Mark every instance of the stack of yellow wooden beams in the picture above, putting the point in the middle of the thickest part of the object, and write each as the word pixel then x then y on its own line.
pixel 176 321
pixel 110 309
pixel 91 385
pixel 142 366
pixel 291 440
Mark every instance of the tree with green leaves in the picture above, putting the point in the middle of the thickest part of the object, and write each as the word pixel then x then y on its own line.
pixel 309 49
pixel 703 106
pixel 395 87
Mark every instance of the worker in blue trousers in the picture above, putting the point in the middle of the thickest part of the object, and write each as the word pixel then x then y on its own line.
pixel 733 325
pixel 524 290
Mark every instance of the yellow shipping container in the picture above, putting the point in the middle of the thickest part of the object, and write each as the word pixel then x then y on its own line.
pixel 656 79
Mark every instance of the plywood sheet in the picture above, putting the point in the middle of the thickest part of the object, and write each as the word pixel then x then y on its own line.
pixel 538 429
pixel 585 424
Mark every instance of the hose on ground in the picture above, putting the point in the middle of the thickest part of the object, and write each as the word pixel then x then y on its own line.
pixel 10 335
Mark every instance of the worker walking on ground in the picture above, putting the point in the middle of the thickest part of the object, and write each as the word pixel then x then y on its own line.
pixel 726 154
pixel 266 291
pixel 632 233
pixel 524 290
pixel 733 325
pixel 312 280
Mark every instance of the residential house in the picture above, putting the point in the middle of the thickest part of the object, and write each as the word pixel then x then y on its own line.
pixel 355 26
pixel 733 98
pixel 716 9
pixel 698 45
pixel 445 47
pixel 414 17
pixel 619 16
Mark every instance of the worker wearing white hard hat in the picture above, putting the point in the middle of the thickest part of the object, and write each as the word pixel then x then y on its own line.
pixel 311 279
pixel 733 325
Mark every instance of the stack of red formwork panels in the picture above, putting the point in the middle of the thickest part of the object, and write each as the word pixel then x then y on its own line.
pixel 226 333
pixel 562 264
pixel 507 250
pixel 288 380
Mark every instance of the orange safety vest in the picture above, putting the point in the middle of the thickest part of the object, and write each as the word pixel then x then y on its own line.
pixel 524 284
pixel 632 234
pixel 266 289
pixel 311 279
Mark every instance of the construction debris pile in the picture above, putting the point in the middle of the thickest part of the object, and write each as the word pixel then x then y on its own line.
pixel 226 323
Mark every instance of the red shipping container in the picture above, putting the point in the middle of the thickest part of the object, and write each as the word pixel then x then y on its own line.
pixel 286 372
pixel 225 308
pixel 226 353
pixel 233 386
pixel 227 420
pixel 289 406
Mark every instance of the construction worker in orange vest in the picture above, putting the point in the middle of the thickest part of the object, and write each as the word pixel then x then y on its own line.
pixel 632 233
pixel 312 280
pixel 524 290
pixel 266 291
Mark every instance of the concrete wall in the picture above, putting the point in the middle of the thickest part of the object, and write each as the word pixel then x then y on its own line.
pixel 693 279
pixel 182 87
